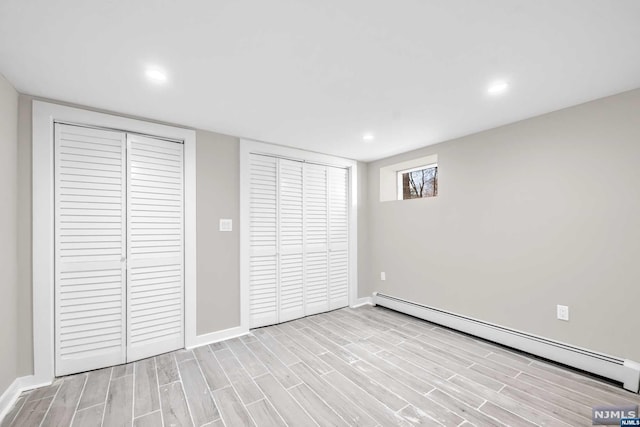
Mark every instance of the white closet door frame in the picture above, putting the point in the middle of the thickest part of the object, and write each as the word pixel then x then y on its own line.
pixel 45 115
pixel 247 147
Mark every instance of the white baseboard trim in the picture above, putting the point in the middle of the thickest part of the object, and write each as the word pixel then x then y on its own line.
pixel 362 301
pixel 11 394
pixel 625 371
pixel 217 336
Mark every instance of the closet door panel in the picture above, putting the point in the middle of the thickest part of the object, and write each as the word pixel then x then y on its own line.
pixel 290 262
pixel 316 217
pixel 263 241
pixel 338 238
pixel 155 235
pixel 90 246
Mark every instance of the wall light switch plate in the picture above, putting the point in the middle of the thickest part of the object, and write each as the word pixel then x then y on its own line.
pixel 226 225
pixel 563 312
pixel 383 276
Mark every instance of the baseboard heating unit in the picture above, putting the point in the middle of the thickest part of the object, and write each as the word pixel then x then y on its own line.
pixel 624 371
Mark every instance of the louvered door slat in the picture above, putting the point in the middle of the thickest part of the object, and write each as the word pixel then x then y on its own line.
pixel 290 239
pixel 263 231
pixel 316 218
pixel 90 246
pixel 155 282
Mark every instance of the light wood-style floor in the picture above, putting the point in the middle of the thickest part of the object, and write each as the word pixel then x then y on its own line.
pixel 367 367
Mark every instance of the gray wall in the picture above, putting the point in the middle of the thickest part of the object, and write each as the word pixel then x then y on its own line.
pixel 363 232
pixel 8 233
pixel 541 212
pixel 218 196
pixel 218 260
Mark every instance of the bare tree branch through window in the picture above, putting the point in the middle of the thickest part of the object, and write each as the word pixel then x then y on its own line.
pixel 420 183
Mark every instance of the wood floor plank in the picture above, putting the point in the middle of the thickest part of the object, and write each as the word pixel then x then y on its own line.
pixel 470 414
pixel 183 355
pixel 265 415
pixel 330 334
pixel 416 416
pixel 175 411
pixel 408 379
pixel 220 345
pixel 89 417
pixel 154 419
pixel 542 405
pixel 65 401
pixel 232 411
pixel 274 365
pixel 459 393
pixel 304 355
pixel 486 381
pixel 334 398
pixel 433 410
pixel 381 413
pixel 249 361
pixel 505 416
pixel 247 390
pixel 95 390
pixel 146 393
pixel 281 352
pixel 211 369
pixel 33 412
pixel 122 370
pixel 303 340
pixel 557 406
pixel 456 345
pixel 330 346
pixel 47 391
pixel 118 409
pixel 381 392
pixel 319 411
pixel 167 369
pixel 438 355
pixel 522 409
pixel 556 389
pixel 201 404
pixel 290 411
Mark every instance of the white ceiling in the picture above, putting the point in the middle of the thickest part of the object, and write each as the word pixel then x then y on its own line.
pixel 318 74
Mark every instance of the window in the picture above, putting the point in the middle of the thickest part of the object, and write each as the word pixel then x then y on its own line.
pixel 418 182
pixel 391 177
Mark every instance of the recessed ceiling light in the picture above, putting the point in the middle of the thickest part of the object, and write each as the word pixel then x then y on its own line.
pixel 367 137
pixel 156 75
pixel 497 88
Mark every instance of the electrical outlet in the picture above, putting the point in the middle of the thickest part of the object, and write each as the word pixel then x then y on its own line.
pixel 383 276
pixel 563 312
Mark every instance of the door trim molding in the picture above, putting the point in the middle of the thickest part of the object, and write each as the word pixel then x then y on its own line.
pixel 248 147
pixel 45 114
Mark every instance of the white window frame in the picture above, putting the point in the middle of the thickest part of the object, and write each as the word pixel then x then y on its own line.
pixel 248 147
pixel 44 116
pixel 402 172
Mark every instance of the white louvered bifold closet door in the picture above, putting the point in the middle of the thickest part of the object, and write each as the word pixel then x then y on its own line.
pixel 263 237
pixel 298 239
pixel 155 261
pixel 90 248
pixel 290 241
pixel 316 238
pixel 338 238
